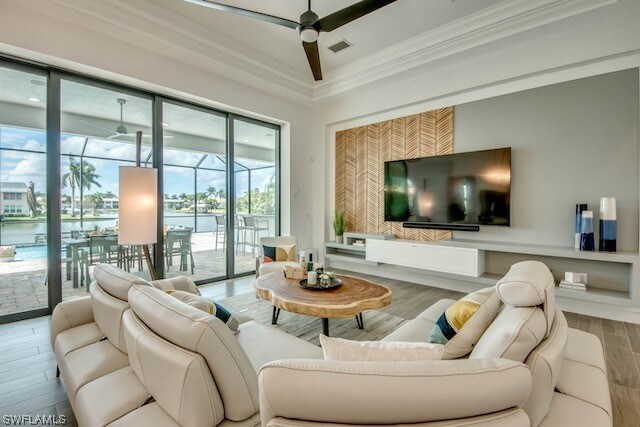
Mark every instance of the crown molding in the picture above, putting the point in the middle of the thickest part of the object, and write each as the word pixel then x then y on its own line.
pixel 171 32
pixel 488 25
pixel 164 31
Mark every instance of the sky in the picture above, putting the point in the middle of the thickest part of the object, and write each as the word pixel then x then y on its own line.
pixel 24 167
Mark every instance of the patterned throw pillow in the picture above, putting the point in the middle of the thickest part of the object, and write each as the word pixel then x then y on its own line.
pixel 278 253
pixel 461 326
pixel 207 305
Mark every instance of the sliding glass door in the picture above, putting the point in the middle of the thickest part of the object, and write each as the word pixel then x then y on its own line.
pixel 23 183
pixel 63 139
pixel 99 126
pixel 195 188
pixel 256 182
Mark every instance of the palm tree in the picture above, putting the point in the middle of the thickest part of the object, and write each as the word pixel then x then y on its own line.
pixel 211 191
pixel 76 177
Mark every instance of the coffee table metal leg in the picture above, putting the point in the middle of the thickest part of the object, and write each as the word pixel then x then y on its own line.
pixel 360 321
pixel 274 316
pixel 325 326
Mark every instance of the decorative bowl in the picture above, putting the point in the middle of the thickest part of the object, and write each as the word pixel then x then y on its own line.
pixel 335 282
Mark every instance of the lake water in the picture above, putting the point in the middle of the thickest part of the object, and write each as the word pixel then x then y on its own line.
pixel 23 232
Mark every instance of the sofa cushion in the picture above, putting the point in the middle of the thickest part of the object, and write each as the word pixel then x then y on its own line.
pixel 462 324
pixel 586 383
pixel 149 415
pixel 270 267
pixel 412 331
pixel 108 398
pixel 115 281
pixel 585 348
pixel 378 351
pixel 180 283
pixel 567 411
pixel 198 332
pixel 74 338
pixel 263 344
pixel 514 333
pixel 546 364
pixel 529 284
pixel 88 363
pixel 208 306
pixel 584 374
pixel 108 311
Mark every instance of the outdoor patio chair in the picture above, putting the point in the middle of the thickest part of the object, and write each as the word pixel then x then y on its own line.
pixel 102 249
pixel 178 242
pixel 239 229
pixel 220 229
pixel 254 226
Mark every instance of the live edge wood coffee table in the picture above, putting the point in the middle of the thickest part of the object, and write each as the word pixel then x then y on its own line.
pixel 347 300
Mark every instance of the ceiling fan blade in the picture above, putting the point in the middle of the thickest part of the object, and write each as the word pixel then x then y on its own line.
pixel 116 135
pixel 311 49
pixel 97 126
pixel 348 14
pixel 245 12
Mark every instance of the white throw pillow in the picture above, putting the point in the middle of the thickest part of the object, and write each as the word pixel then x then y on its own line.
pixel 378 351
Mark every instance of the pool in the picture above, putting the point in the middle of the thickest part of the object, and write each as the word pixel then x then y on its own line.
pixel 31 252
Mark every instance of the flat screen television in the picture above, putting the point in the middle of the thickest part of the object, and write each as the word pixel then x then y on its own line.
pixel 470 188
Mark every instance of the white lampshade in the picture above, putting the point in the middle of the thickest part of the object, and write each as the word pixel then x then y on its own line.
pixel 138 206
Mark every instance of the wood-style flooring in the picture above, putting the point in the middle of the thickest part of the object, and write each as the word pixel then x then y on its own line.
pixel 28 385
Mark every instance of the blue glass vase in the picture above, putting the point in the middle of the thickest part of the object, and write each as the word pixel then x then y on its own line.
pixel 587 242
pixel 608 225
pixel 581 207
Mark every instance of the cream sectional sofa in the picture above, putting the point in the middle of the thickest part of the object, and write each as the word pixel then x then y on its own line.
pixel 132 355
pixel 528 369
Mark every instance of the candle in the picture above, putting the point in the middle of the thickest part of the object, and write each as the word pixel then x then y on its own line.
pixel 312 277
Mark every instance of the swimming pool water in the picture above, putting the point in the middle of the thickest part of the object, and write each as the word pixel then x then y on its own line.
pixel 31 252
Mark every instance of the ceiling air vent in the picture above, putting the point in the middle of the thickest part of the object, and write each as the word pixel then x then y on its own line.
pixel 341 45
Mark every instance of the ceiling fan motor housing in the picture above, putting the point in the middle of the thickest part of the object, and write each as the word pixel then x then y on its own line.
pixel 307 32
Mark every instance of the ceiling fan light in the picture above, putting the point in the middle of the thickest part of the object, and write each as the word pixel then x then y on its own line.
pixel 309 35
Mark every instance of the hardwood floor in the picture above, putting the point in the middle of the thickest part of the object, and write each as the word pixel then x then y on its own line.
pixel 28 384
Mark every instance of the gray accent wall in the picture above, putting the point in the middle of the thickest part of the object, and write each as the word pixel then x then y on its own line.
pixel 571 142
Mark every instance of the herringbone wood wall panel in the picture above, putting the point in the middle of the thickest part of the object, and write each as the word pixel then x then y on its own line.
pixel 360 156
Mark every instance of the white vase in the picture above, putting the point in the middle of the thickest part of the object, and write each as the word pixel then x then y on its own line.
pixel 339 239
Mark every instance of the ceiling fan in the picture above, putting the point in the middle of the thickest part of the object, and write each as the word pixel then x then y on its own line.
pixel 310 25
pixel 121 129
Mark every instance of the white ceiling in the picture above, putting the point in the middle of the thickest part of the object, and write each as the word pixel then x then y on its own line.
pixel 400 36
pixel 381 29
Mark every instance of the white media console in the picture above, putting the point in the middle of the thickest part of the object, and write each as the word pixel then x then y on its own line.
pixel 466 265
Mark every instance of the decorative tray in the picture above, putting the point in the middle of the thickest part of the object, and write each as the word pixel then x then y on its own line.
pixel 335 282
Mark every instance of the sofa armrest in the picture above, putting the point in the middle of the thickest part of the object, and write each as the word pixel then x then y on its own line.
pixel 390 392
pixel 69 314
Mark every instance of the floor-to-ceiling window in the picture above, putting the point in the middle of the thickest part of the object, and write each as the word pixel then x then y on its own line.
pixel 62 140
pixel 194 188
pixel 23 183
pixel 256 185
pixel 98 126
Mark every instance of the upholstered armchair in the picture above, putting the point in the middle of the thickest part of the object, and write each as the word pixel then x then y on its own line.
pixel 269 267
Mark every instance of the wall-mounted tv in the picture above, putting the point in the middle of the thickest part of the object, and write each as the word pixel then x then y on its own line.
pixel 465 189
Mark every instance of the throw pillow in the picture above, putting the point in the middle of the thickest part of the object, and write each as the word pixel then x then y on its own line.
pixel 180 283
pixel 378 351
pixel 461 326
pixel 278 253
pixel 208 306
